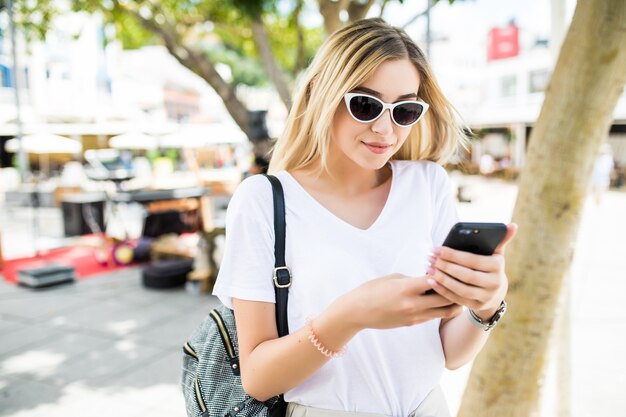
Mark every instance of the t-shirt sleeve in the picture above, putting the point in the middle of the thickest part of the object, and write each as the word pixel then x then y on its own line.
pixel 247 265
pixel 445 213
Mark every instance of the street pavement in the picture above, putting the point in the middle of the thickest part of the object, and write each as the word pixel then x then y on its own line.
pixel 108 346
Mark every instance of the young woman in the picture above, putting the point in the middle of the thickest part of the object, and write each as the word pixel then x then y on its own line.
pixel 367 205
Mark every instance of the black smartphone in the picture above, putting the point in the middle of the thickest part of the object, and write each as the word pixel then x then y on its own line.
pixel 478 238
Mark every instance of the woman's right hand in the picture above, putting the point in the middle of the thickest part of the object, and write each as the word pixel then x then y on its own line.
pixel 396 300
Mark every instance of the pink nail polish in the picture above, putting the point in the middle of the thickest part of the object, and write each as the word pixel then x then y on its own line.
pixel 431 270
pixel 437 251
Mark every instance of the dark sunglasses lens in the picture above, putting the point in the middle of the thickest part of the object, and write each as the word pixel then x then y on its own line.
pixel 407 113
pixel 365 108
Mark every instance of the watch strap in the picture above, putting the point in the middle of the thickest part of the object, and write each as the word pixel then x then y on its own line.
pixel 491 323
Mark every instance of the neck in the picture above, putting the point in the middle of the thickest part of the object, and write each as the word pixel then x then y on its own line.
pixel 349 178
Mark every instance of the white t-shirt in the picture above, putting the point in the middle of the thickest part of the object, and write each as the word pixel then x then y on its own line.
pixel 383 371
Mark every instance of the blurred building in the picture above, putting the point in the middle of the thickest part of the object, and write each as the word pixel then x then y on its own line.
pixel 80 83
pixel 496 77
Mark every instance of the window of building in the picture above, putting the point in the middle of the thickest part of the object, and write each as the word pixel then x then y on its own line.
pixel 508 86
pixel 538 81
pixel 5 76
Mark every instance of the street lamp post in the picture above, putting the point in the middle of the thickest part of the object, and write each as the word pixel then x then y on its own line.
pixel 22 160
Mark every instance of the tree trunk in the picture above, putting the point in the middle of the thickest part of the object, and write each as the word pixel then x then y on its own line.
pixel 330 10
pixel 588 79
pixel 358 10
pixel 270 65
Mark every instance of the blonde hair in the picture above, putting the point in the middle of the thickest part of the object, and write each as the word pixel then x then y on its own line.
pixel 347 58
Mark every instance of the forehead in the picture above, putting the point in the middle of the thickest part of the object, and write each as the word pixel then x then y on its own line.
pixel 393 79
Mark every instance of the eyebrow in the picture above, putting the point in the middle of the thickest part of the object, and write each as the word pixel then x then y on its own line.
pixel 377 94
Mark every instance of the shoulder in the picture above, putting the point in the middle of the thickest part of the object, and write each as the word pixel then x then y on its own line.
pixel 255 188
pixel 253 196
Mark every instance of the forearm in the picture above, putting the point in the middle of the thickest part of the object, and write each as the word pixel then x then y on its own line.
pixel 461 340
pixel 278 365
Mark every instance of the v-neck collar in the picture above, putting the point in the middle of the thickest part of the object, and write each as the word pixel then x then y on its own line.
pixel 332 215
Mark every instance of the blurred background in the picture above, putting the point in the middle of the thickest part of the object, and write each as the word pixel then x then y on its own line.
pixel 125 127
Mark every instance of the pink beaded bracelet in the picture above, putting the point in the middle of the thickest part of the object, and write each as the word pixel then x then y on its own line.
pixel 324 350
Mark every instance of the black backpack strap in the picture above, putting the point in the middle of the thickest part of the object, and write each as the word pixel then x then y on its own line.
pixel 282 275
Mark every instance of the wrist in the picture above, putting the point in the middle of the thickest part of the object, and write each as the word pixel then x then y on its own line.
pixel 488 322
pixel 486 314
pixel 342 313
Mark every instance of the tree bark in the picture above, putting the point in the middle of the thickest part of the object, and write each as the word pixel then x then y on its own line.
pixel 586 84
pixel 330 10
pixel 272 69
pixel 358 10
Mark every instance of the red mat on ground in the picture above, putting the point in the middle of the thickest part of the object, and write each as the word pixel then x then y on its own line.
pixel 81 258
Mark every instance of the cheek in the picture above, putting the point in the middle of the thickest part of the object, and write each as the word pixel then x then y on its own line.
pixel 344 127
pixel 402 135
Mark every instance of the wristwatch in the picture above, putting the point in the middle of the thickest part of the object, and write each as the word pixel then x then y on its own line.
pixel 486 326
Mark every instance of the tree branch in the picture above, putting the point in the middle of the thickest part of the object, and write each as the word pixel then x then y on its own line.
pixel 268 60
pixel 197 63
pixel 301 52
pixel 382 8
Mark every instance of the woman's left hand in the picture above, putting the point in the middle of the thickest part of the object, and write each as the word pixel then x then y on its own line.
pixel 475 281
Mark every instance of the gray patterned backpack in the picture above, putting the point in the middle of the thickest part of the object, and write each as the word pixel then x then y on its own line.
pixel 211 380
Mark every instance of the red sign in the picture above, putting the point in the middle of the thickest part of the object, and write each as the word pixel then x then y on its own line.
pixel 503 42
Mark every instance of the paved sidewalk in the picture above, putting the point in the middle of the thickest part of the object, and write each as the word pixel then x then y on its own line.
pixel 105 346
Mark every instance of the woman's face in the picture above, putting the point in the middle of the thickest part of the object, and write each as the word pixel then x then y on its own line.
pixel 371 145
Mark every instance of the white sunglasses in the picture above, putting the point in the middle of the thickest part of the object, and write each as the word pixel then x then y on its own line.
pixel 365 109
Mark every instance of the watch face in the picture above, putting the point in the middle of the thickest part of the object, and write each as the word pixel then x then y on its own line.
pixel 499 313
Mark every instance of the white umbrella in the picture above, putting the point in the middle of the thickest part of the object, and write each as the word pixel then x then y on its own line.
pixel 134 140
pixel 44 143
pixel 180 140
pixel 223 133
pixel 204 136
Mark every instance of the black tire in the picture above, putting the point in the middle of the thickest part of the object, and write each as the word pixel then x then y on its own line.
pixel 167 274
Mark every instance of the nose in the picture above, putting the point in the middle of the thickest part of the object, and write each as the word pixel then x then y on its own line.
pixel 383 125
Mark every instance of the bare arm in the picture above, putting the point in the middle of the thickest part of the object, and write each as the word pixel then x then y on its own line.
pixel 272 365
pixel 461 341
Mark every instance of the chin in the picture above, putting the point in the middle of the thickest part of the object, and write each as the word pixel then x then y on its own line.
pixel 373 164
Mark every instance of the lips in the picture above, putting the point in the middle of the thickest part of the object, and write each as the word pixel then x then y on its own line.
pixel 378 144
pixel 377 147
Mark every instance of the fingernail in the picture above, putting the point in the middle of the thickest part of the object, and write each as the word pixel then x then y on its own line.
pixel 432 282
pixel 431 270
pixel 432 259
pixel 437 251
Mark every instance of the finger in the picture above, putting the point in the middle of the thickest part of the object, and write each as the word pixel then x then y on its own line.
pixel 448 312
pixel 470 260
pixel 461 289
pixel 444 292
pixel 435 301
pixel 466 275
pixel 511 231
pixel 419 285
pixel 453 289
